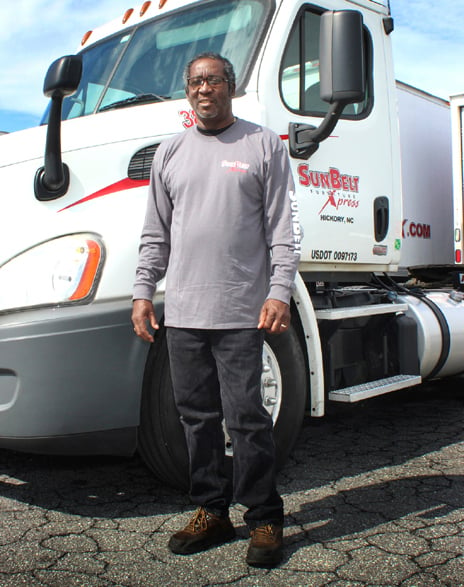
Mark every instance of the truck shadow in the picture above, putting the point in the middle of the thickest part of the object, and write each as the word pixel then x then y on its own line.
pixel 380 462
pixel 382 432
pixel 332 477
pixel 365 512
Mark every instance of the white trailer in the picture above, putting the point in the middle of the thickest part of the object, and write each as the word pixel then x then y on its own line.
pixel 426 170
pixel 73 376
pixel 457 121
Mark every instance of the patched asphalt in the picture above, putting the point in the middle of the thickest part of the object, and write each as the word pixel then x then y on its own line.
pixel 374 496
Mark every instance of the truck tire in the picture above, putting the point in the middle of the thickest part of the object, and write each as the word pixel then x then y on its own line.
pixel 161 437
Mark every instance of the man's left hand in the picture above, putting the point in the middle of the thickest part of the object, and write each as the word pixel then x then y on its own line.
pixel 274 316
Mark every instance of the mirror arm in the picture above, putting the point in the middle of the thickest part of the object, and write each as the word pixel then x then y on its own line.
pixel 324 130
pixel 304 139
pixel 52 180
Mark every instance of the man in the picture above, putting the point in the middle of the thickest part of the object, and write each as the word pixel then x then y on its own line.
pixel 219 224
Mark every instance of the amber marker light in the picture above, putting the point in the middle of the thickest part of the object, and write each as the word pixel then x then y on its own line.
pixel 92 264
pixel 162 3
pixel 145 7
pixel 127 15
pixel 85 38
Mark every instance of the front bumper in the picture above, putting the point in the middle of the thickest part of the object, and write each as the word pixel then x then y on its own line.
pixel 71 379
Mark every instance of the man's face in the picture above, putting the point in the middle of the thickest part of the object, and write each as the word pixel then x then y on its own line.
pixel 212 103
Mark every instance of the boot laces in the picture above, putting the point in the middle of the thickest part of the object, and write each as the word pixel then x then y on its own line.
pixel 198 522
pixel 265 533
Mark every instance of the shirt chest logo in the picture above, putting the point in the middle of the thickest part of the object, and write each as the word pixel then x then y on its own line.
pixel 235 166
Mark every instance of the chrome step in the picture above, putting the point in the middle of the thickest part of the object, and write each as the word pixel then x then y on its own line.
pixel 359 311
pixel 362 391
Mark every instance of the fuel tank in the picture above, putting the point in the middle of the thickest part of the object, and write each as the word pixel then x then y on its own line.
pixel 439 315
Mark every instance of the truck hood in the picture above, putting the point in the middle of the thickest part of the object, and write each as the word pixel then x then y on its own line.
pixel 96 129
pixel 97 150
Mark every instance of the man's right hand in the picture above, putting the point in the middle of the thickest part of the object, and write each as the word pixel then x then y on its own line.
pixel 143 313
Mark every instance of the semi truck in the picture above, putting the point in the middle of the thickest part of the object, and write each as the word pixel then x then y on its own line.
pixel 377 305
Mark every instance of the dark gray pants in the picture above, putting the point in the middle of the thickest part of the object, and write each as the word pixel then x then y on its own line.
pixel 216 374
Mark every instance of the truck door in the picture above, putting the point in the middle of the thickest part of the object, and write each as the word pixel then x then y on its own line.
pixel 348 192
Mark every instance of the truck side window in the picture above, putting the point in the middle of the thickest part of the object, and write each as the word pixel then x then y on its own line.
pixel 299 71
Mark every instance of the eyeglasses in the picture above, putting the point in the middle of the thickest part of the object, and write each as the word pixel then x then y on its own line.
pixel 213 80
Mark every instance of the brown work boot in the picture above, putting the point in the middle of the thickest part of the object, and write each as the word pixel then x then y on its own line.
pixel 265 548
pixel 202 532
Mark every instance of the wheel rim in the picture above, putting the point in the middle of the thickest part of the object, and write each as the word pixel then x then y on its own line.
pixel 271 390
pixel 271 383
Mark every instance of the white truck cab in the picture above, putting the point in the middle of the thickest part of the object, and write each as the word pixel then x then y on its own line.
pixel 73 377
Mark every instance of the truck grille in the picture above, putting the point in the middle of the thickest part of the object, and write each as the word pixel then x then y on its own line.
pixel 140 164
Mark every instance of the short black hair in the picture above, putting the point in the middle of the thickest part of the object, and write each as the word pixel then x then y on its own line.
pixel 228 68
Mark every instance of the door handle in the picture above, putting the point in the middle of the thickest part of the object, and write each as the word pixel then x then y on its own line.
pixel 381 218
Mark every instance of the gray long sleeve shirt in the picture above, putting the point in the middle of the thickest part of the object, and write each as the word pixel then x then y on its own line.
pixel 222 224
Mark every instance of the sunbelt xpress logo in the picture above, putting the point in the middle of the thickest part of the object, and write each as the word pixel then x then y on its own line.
pixel 338 192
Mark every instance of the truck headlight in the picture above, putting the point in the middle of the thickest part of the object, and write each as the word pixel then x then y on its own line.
pixel 63 270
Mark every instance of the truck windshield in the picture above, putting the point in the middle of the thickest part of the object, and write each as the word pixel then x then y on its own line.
pixel 146 63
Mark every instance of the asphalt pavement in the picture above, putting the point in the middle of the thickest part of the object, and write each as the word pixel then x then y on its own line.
pixel 374 496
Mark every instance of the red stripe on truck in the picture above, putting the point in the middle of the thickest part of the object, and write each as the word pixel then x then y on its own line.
pixel 119 186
